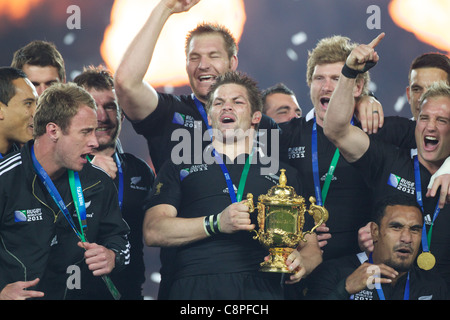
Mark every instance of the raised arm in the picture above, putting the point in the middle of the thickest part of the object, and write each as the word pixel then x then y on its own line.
pixel 351 141
pixel 137 98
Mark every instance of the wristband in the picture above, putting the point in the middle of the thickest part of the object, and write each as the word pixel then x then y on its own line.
pixel 211 224
pixel 349 72
pixel 352 73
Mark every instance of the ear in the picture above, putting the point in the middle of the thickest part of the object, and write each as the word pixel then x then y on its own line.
pixel 2 110
pixel 234 63
pixel 375 231
pixel 53 131
pixel 408 94
pixel 256 118
pixel 358 88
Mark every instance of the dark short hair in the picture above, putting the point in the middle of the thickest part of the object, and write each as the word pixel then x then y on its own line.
pixel 431 60
pixel 98 78
pixel 40 53
pixel 7 88
pixel 277 88
pixel 379 209
pixel 239 78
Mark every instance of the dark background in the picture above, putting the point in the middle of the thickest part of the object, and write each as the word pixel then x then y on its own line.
pixel 266 39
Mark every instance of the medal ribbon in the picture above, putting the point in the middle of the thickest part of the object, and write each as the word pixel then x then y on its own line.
pixel 380 289
pixel 79 201
pixel 77 195
pixel 202 111
pixel 234 197
pixel 321 195
pixel 120 171
pixel 426 240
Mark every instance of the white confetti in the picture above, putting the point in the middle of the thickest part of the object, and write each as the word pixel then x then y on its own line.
pixel 299 38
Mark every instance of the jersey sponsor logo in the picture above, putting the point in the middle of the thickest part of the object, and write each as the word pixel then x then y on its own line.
pixel 29 215
pixel 401 184
pixel 296 152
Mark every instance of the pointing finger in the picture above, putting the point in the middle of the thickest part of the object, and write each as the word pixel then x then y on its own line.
pixel 377 40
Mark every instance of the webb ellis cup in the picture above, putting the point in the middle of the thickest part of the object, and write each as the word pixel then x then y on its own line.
pixel 281 217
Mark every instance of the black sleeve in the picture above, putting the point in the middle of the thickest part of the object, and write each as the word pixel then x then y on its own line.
pixel 167 187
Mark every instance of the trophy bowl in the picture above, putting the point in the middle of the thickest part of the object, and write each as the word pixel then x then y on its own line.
pixel 281 217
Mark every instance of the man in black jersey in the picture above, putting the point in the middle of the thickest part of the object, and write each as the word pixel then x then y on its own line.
pixel 61 225
pixel 132 176
pixel 305 147
pixel 219 259
pixel 210 51
pixel 389 273
pixel 17 106
pixel 390 170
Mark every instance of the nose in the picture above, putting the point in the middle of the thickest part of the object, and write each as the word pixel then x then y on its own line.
pixel 327 85
pixel 204 63
pixel 406 236
pixel 101 114
pixel 93 142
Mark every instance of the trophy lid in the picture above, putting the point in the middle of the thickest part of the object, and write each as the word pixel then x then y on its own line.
pixel 282 194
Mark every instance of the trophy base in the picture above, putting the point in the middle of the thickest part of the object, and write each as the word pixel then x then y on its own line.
pixel 276 261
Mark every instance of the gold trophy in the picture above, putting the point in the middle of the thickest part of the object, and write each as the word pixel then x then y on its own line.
pixel 281 216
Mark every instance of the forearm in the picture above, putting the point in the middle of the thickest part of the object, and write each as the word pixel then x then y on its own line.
pixel 351 141
pixel 129 77
pixel 166 230
pixel 340 110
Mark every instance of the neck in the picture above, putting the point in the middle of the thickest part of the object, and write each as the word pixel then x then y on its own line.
pixel 232 150
pixel 431 166
pixel 44 155
pixel 5 146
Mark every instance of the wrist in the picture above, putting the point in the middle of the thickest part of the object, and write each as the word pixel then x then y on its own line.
pixel 211 224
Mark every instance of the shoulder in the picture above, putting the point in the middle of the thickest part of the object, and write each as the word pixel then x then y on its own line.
pixel 9 163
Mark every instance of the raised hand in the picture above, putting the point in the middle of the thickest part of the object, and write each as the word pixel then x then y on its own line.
pixel 364 56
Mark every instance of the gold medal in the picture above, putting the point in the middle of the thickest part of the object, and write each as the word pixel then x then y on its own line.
pixel 426 261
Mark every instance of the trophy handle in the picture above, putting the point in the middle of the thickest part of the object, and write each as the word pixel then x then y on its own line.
pixel 251 206
pixel 251 209
pixel 319 213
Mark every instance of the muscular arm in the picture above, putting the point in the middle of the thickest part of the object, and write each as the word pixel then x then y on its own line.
pixel 162 227
pixel 137 98
pixel 352 142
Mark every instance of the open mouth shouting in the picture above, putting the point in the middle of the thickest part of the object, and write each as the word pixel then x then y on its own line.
pixel 430 143
pixel 324 102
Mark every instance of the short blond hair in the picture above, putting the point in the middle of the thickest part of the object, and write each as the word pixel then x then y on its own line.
pixel 331 50
pixel 436 89
pixel 59 104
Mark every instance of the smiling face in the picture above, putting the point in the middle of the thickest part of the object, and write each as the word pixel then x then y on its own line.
pixel 78 141
pixel 433 132
pixel 108 118
pixel 230 112
pixel 206 59
pixel 17 116
pixel 397 239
